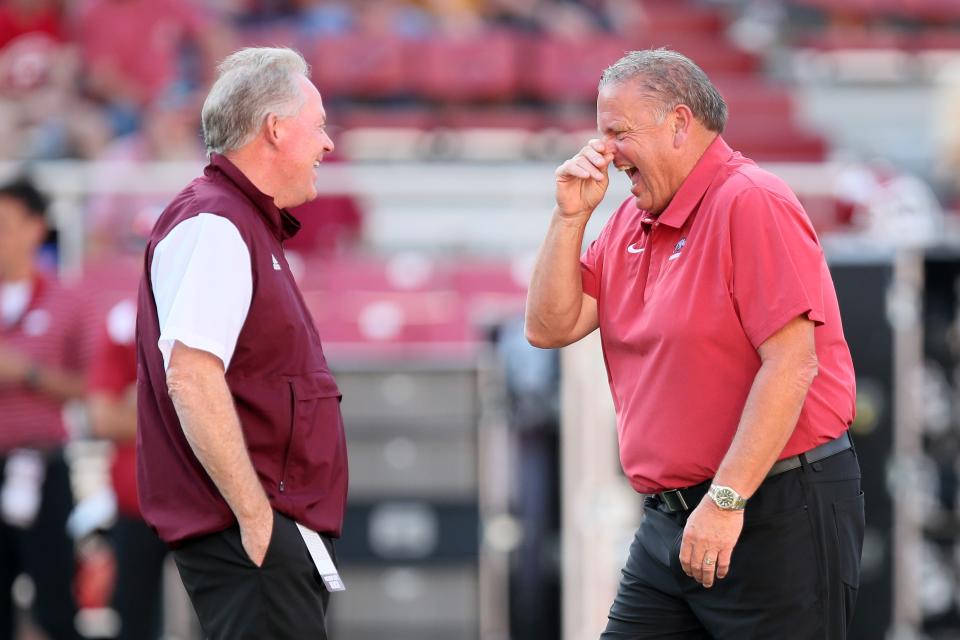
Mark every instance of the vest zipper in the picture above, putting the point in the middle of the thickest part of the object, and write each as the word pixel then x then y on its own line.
pixel 293 422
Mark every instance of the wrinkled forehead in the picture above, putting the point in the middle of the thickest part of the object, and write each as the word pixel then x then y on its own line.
pixel 625 104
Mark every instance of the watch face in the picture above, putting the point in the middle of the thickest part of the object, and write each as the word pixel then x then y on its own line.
pixel 724 498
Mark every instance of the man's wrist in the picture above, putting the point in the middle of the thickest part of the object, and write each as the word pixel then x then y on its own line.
pixel 726 498
pixel 577 220
pixel 255 514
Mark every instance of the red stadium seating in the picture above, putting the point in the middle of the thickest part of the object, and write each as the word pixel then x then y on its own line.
pixel 442 309
pixel 774 139
pixel 569 71
pixel 475 69
pixel 749 96
pixel 912 9
pixel 271 35
pixel 715 56
pixel 680 17
pixel 422 118
pixel 493 118
pixel 359 66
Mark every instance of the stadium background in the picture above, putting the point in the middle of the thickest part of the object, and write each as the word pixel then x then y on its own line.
pixel 484 473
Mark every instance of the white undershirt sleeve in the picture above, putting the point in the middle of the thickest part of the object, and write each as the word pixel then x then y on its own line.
pixel 202 286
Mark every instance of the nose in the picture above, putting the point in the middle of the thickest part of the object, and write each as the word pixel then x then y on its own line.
pixel 328 145
pixel 614 148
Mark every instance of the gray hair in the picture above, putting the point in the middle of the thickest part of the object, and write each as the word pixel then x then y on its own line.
pixel 251 84
pixel 672 79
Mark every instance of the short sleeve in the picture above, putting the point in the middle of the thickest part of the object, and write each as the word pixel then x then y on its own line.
pixel 202 286
pixel 591 264
pixel 777 263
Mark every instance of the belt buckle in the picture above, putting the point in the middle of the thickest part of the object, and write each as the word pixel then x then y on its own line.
pixel 679 495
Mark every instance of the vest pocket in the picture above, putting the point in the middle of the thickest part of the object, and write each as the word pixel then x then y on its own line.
pixel 316 447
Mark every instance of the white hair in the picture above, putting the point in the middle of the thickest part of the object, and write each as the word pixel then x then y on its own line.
pixel 251 84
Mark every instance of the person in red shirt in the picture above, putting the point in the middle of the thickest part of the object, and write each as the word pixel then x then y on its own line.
pixel 131 50
pixel 140 554
pixel 22 17
pixel 41 364
pixel 731 378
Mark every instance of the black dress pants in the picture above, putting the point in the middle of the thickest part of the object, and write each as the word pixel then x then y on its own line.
pixel 794 572
pixel 283 599
pixel 44 551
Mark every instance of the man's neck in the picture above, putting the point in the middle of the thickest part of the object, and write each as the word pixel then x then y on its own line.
pixel 248 162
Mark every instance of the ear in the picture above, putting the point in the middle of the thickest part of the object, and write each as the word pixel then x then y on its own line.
pixel 682 124
pixel 273 130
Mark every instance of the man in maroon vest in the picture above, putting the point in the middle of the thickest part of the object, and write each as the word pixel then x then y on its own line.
pixel 242 464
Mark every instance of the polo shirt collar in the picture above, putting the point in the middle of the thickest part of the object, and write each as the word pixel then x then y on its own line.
pixel 690 193
pixel 280 221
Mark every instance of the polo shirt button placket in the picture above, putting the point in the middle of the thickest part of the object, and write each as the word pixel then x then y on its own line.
pixel 650 224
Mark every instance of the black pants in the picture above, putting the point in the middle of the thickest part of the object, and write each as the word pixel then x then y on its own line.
pixel 234 599
pixel 44 552
pixel 794 571
pixel 138 592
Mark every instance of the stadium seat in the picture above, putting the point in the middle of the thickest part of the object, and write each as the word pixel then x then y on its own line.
pixel 493 118
pixel 569 71
pixel 774 139
pixel 749 96
pixel 672 16
pixel 475 69
pixel 911 9
pixel 358 66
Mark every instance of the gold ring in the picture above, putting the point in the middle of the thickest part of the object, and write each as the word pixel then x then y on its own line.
pixel 708 561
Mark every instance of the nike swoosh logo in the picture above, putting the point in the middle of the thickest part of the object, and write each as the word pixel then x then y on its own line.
pixel 634 249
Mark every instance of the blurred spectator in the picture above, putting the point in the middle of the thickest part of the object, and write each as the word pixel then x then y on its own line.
pixel 137 596
pixel 133 51
pixel 391 17
pixel 119 219
pixel 514 14
pixel 889 205
pixel 455 17
pixel 569 20
pixel 325 17
pixel 43 116
pixel 20 18
pixel 41 360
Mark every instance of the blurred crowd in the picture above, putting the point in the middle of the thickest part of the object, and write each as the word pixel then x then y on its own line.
pixel 123 79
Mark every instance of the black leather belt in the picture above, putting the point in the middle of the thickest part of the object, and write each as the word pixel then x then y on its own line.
pixel 685 499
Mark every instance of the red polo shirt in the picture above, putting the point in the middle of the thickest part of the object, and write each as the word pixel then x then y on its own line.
pixel 685 300
pixel 50 333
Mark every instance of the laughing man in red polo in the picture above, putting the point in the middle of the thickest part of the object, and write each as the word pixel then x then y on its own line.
pixel 731 378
